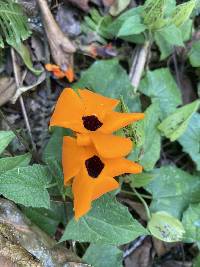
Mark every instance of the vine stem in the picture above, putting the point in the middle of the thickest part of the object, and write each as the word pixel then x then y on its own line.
pixel 144 203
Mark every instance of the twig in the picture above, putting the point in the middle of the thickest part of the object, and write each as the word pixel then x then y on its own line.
pixel 139 61
pixel 18 84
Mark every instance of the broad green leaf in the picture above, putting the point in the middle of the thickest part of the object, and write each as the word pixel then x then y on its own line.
pixel 194 54
pixel 191 223
pixel 5 138
pixel 173 190
pixel 114 27
pixel 176 124
pixel 160 86
pixel 147 151
pixel 47 219
pixel 171 34
pixel 26 186
pixel 186 30
pixel 190 140
pixel 55 168
pixel 140 180
pixel 131 26
pixel 114 85
pixel 108 222
pixel 165 227
pixel 25 55
pixel 165 47
pixel 9 163
pixel 182 12
pixel 169 7
pixel 103 255
pixel 53 149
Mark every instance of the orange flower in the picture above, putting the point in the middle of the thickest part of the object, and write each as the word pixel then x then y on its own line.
pixel 58 73
pixel 92 117
pixel 93 174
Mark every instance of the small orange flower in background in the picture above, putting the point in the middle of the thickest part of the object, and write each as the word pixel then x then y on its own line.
pixel 95 155
pixel 93 174
pixel 91 116
pixel 58 73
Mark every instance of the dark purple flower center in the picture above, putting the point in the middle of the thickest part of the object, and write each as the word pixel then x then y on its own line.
pixel 94 166
pixel 91 123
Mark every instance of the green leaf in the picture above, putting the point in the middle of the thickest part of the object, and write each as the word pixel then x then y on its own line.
pixel 47 219
pixel 186 30
pixel 26 186
pixel 53 149
pixel 114 27
pixel 147 151
pixel 98 25
pixel 140 180
pixel 160 86
pixel 171 35
pixel 182 13
pixel 114 85
pixel 5 138
pixel 103 255
pixel 165 227
pixel 176 124
pixel 9 163
pixel 191 223
pixel 131 26
pixel 173 190
pixel 23 51
pixel 190 140
pixel 13 23
pixel 165 47
pixel 108 222
pixel 194 54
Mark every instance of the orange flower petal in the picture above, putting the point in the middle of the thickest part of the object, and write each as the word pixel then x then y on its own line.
pixel 70 74
pixel 111 146
pixel 71 158
pixel 115 167
pixel 58 74
pixel 69 111
pixel 82 190
pixel 104 185
pixel 52 67
pixel 115 120
pixel 83 139
pixel 97 104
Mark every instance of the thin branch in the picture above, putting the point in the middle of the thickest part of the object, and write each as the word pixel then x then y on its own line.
pixel 18 84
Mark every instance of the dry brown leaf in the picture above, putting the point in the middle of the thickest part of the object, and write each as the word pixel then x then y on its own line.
pixel 61 47
pixel 7 89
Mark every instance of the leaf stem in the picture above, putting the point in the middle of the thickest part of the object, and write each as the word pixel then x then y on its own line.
pixel 51 185
pixel 134 194
pixel 144 203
